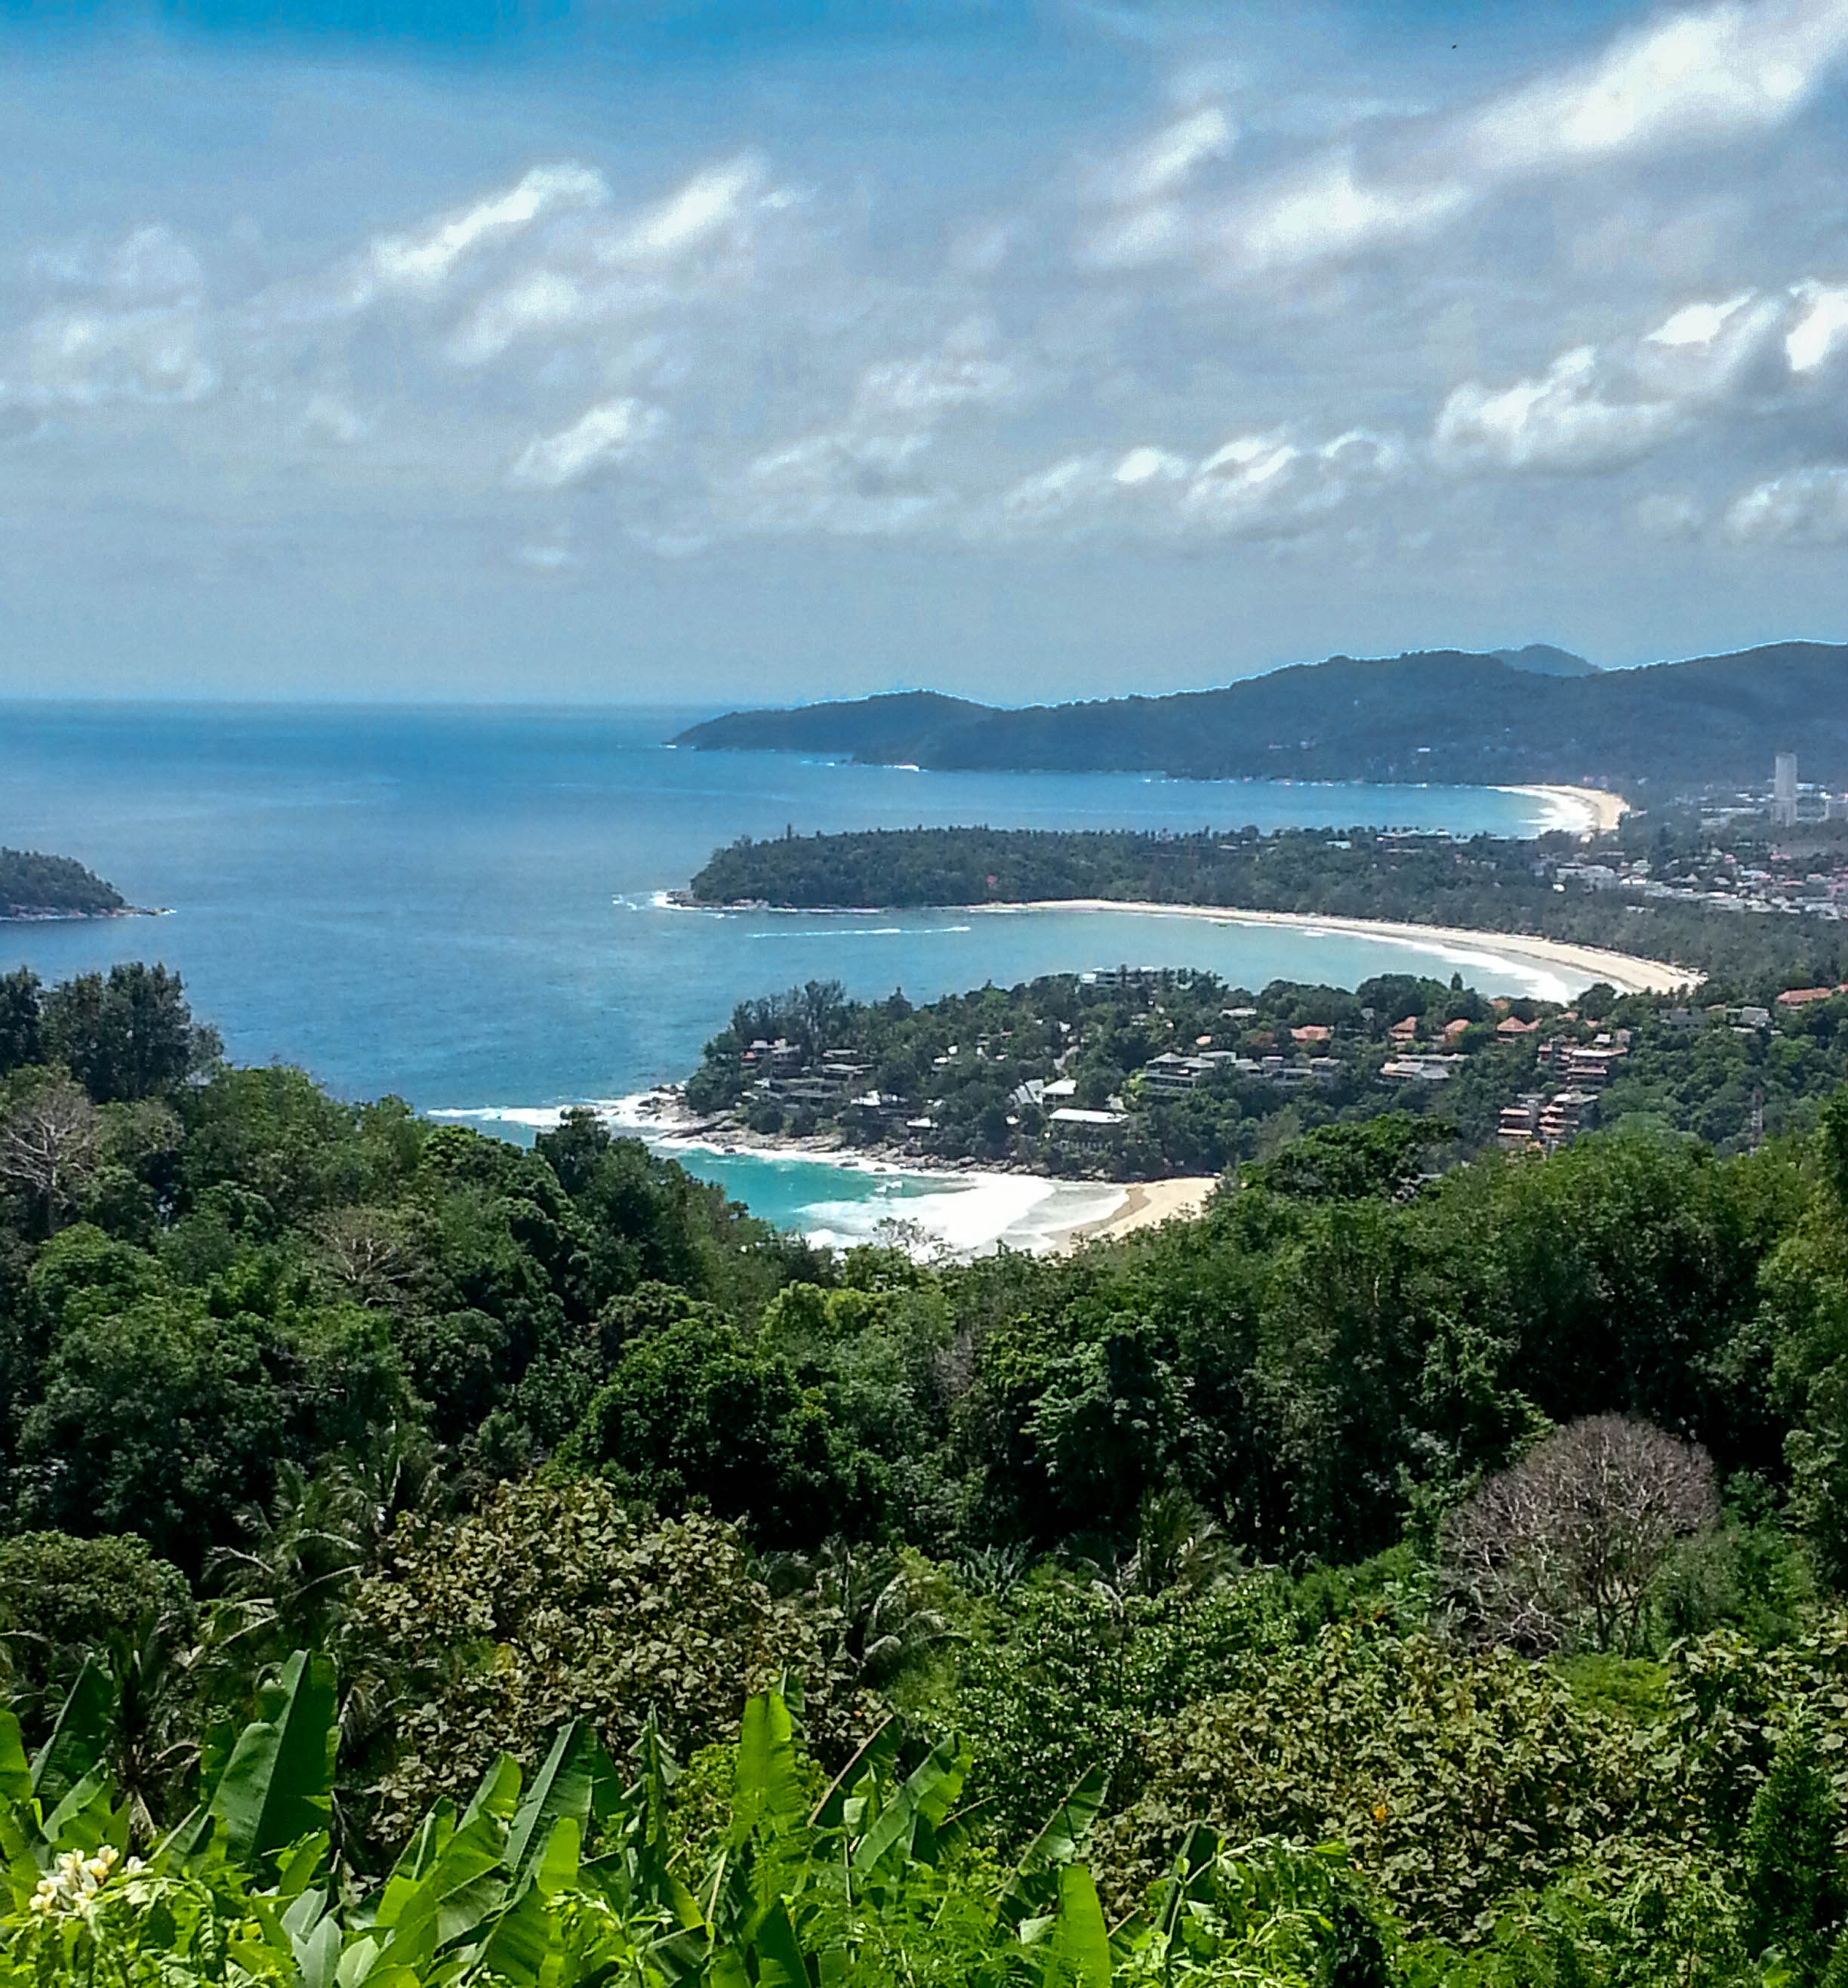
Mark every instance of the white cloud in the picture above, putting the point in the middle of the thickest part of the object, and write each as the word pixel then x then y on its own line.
pixel 328 418
pixel 710 202
pixel 540 301
pixel 425 261
pixel 1819 333
pixel 1667 516
pixel 89 358
pixel 1698 324
pixel 1165 163
pixel 1557 423
pixel 1712 73
pixel 1707 77
pixel 843 484
pixel 1802 507
pixel 1253 486
pixel 154 265
pixel 1151 465
pixel 600 438
pixel 1325 212
pixel 961 374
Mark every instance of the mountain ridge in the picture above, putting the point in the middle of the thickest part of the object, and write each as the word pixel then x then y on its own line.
pixel 1471 718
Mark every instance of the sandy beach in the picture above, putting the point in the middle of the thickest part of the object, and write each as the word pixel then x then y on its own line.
pixel 1626 972
pixel 1146 1204
pixel 1601 813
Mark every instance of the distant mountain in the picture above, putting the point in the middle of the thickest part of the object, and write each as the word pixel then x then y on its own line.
pixel 1446 715
pixel 1541 659
pixel 880 730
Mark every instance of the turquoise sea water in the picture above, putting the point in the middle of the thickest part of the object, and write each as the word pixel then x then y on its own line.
pixel 461 906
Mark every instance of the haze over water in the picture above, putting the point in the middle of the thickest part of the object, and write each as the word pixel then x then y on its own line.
pixel 458 906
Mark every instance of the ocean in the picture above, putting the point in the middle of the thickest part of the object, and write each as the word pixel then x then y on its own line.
pixel 464 907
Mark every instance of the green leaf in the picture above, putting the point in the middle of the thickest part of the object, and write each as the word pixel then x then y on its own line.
pixel 575 1772
pixel 81 1822
pixel 1083 1940
pixel 876 1756
pixel 766 1789
pixel 276 1785
pixel 16 1776
pixel 926 1796
pixel 1029 1889
pixel 1061 1835
pixel 779 1960
pixel 499 1793
pixel 78 1736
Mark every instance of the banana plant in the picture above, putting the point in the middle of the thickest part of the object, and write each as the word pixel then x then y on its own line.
pixel 880 1880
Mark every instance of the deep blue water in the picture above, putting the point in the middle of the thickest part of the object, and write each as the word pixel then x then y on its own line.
pixel 458 905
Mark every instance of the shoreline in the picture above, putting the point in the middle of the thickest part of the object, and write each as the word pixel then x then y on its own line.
pixel 34 915
pixel 1137 1205
pixel 1606 811
pixel 1628 972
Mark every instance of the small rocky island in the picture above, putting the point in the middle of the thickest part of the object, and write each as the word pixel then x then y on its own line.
pixel 35 886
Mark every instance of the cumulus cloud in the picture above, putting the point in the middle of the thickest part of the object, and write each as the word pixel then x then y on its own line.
pixel 599 439
pixel 709 204
pixel 1700 77
pixel 1251 486
pixel 90 358
pixel 1139 190
pixel 841 484
pixel 1718 73
pixel 1807 506
pixel 1820 328
pixel 964 371
pixel 1557 423
pixel 425 259
pixel 1669 515
pixel 699 241
pixel 1325 212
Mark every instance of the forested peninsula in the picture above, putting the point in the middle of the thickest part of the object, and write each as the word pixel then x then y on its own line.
pixel 32 886
pixel 1506 717
pixel 424 1561
pixel 1737 904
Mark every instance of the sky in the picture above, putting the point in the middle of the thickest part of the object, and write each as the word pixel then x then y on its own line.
pixel 749 350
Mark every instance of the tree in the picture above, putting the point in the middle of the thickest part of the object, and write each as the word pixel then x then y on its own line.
pixel 1561 1550
pixel 20 1041
pixel 128 1035
pixel 61 1598
pixel 50 1140
pixel 1796 1888
pixel 552 1603
pixel 695 1414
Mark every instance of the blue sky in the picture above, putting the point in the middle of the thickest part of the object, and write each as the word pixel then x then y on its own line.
pixel 719 351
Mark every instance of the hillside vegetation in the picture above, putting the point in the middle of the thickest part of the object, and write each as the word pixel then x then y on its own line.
pixel 1443 714
pixel 35 886
pixel 426 1562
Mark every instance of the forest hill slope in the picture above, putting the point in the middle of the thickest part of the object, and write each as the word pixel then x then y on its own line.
pixel 32 886
pixel 1443 714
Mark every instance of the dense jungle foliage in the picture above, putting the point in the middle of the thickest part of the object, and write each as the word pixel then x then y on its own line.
pixel 35 886
pixel 1486 884
pixel 1370 1583
pixel 964 1063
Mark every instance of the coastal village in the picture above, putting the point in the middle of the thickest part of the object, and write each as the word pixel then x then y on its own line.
pixel 1125 1073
